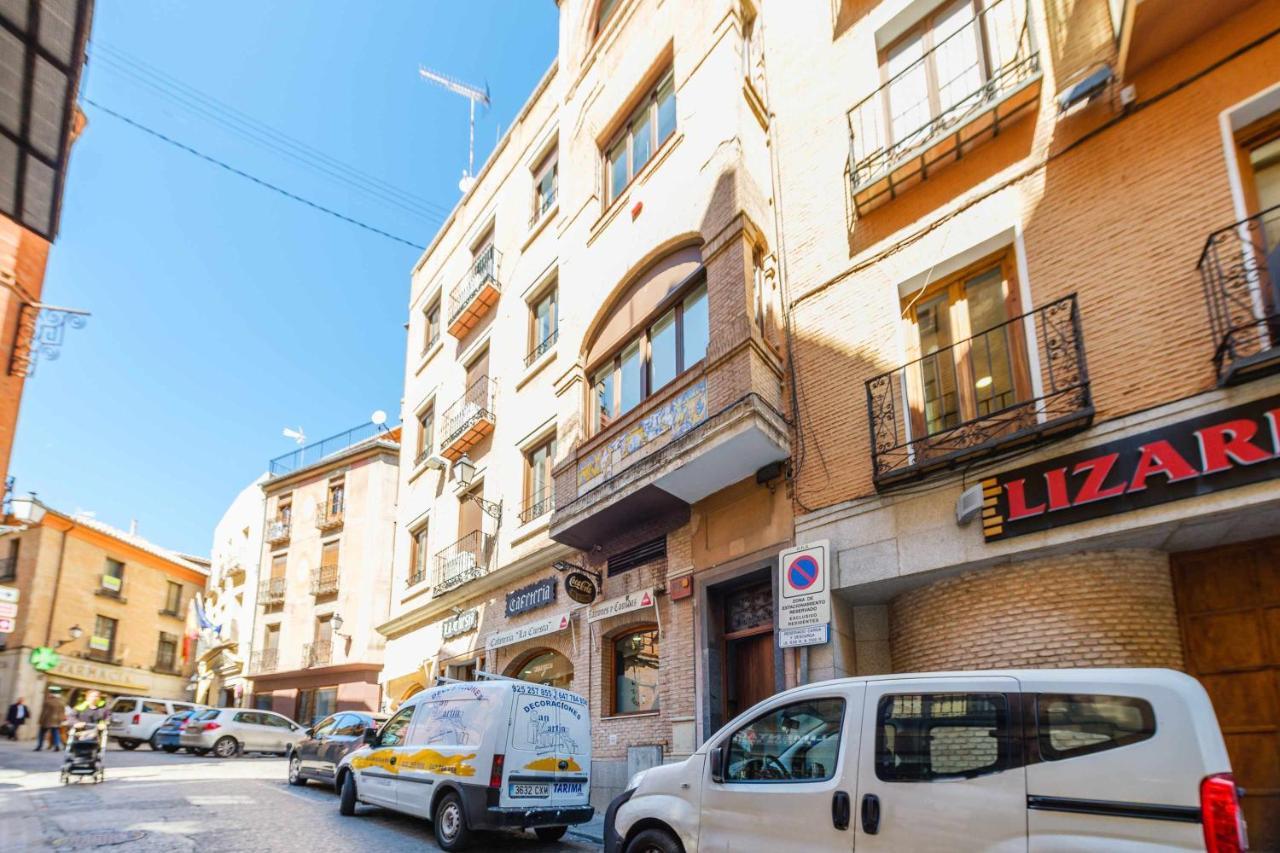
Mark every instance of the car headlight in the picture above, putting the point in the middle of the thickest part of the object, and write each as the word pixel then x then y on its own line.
pixel 636 779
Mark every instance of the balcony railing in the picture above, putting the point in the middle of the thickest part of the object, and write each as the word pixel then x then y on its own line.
pixel 319 653
pixel 541 349
pixel 538 504
pixel 324 581
pixel 1046 393
pixel 468 420
pixel 478 291
pixel 1240 269
pixel 931 109
pixel 329 516
pixel 271 592
pixel 8 568
pixel 314 452
pixel 464 560
pixel 278 531
pixel 264 660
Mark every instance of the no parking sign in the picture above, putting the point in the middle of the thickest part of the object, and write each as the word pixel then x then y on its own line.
pixel 806 591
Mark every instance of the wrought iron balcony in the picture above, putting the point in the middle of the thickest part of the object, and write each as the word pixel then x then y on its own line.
pixel 319 653
pixel 464 560
pixel 478 291
pixel 538 504
pixel 278 531
pixel 917 412
pixel 1240 269
pixel 271 592
pixel 468 420
pixel 264 660
pixel 954 97
pixel 324 581
pixel 541 349
pixel 329 516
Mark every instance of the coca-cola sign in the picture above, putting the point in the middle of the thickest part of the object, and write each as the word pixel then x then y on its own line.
pixel 580 587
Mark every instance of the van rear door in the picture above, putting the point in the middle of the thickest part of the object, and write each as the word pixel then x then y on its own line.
pixel 546 753
pixel 573 751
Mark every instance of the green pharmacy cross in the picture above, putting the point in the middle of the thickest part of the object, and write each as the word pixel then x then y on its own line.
pixel 44 658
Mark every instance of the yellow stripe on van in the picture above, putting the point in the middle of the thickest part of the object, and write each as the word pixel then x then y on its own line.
pixel 551 764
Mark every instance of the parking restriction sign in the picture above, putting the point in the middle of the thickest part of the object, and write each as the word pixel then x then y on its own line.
pixel 806 589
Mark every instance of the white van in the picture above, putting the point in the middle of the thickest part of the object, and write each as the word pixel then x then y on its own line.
pixel 133 720
pixel 1120 759
pixel 478 755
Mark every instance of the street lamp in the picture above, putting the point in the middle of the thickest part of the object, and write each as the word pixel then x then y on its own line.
pixel 336 622
pixel 465 470
pixel 28 510
pixel 76 633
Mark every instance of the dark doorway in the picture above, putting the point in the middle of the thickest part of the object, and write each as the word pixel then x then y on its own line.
pixel 748 646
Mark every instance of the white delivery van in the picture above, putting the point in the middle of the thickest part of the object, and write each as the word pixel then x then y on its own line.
pixel 474 755
pixel 1103 759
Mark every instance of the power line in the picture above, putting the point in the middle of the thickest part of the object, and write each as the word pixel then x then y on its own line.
pixel 257 132
pixel 183 146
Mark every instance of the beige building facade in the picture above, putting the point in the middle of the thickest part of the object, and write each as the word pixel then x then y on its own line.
pixel 323 576
pixel 110 604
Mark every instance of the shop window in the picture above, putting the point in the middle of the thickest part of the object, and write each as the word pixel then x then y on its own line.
pixel 972 360
pixel 546 667
pixel 931 737
pixel 1071 725
pixel 262 701
pixel 653 122
pixel 635 672
pixel 795 743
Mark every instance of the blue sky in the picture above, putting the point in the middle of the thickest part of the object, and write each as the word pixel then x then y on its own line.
pixel 223 312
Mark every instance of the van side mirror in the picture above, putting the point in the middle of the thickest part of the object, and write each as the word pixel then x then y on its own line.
pixel 371 736
pixel 717 764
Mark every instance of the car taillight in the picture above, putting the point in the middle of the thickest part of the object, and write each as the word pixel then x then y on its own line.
pixel 495 773
pixel 137 719
pixel 182 727
pixel 208 727
pixel 1224 830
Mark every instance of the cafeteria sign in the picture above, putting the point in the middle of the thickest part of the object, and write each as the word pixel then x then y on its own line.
pixel 527 632
pixel 621 604
pixel 531 597
pixel 1211 453
pixel 463 622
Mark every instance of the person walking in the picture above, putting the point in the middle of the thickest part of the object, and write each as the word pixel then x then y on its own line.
pixel 51 715
pixel 18 714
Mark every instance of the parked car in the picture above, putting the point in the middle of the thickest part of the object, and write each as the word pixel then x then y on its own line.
pixel 478 755
pixel 231 731
pixel 134 719
pixel 1043 760
pixel 317 755
pixel 167 736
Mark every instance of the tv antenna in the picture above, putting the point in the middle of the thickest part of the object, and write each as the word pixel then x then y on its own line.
pixel 296 434
pixel 473 94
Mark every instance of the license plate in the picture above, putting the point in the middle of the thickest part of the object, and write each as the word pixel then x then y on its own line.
pixel 524 789
pixel 568 787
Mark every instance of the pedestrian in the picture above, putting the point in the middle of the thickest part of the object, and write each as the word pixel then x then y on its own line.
pixel 18 713
pixel 51 714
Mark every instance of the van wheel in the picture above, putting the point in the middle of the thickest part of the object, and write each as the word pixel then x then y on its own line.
pixel 654 841
pixel 225 747
pixel 450 824
pixel 129 744
pixel 550 833
pixel 347 799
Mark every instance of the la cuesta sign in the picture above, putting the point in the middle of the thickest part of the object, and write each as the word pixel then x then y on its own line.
pixel 1210 453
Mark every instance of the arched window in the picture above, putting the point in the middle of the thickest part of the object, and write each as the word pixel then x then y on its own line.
pixel 547 667
pixel 635 671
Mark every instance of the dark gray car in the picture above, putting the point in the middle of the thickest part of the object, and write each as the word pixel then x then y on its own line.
pixel 317 756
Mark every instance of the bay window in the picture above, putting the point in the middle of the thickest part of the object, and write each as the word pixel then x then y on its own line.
pixel 653 122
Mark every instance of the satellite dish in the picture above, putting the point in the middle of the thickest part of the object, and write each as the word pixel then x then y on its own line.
pixel 379 417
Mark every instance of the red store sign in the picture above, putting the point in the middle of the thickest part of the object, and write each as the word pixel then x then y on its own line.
pixel 1207 454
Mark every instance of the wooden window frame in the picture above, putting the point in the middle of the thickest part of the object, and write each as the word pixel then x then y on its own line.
pixel 548 444
pixel 953 285
pixel 675 302
pixel 550 162
pixel 281 558
pixel 615 638
pixel 168 595
pixel 646 105
pixel 425 418
pixel 552 293
pixel 284 508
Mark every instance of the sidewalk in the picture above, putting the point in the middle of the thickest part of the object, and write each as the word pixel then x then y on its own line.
pixel 592 830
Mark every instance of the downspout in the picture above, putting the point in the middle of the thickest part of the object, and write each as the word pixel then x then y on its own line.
pixel 57 582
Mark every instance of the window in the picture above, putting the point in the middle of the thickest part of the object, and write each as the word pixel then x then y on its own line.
pixel 430 324
pixel 350 725
pixel 261 701
pixel 102 644
pixel 113 577
pixel 154 708
pixel 278 564
pixel 393 733
pixel 603 13
pixel 325 727
pixel 548 667
pixel 173 598
pixel 934 68
pixel 928 737
pixel 271 638
pixel 647 128
pixel 284 511
pixel 124 706
pixel 635 672
pixel 9 565
pixel 426 434
pixel 418 555
pixel 275 721
pixel 329 554
pixel 955 384
pixel 167 652
pixel 1071 725
pixel 544 322
pixel 546 181
pixel 537 480
pixel 337 499
pixel 672 344
pixel 795 743
pixel 316 704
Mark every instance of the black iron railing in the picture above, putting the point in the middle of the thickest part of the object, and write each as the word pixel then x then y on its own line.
pixel 1045 390
pixel 264 660
pixel 278 530
pixel 314 452
pixel 541 349
pixel 484 269
pixel 319 653
pixel 271 592
pixel 538 504
pixel 472 407
pixel 1240 269
pixel 985 59
pixel 464 560
pixel 324 580
pixel 329 515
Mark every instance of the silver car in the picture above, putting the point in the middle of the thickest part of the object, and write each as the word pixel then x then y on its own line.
pixel 230 731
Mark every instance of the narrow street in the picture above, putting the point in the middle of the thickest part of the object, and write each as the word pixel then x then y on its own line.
pixel 153 801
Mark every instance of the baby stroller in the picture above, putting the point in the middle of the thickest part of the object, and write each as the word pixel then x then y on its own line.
pixel 83 756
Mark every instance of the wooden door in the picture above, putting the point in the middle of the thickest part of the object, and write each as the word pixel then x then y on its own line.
pixel 1229 607
pixel 750 671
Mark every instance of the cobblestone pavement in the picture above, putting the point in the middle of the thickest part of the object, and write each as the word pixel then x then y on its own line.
pixel 160 802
